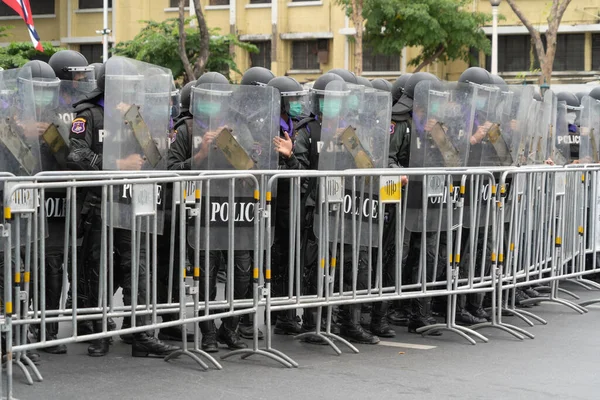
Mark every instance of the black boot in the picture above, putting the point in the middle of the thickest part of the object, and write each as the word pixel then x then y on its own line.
pixel 227 334
pixel 209 336
pixel 246 327
pixel 421 315
pixel 145 345
pixel 173 333
pixel 464 317
pixel 287 323
pixel 379 322
pixel 519 297
pixel 98 348
pixel 400 314
pixel 309 324
pixel 475 307
pixel 128 337
pixel 350 326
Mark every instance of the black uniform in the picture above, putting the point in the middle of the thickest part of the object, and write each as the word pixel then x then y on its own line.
pixel 86 137
pixel 180 158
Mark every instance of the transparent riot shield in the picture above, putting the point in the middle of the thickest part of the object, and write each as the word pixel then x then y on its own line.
pixel 19 143
pixel 354 135
pixel 590 130
pixel 442 117
pixel 233 130
pixel 560 151
pixel 136 119
pixel 546 128
pixel 497 142
pixel 70 92
pixel 523 115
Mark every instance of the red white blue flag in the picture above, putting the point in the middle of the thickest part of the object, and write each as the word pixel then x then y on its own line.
pixel 23 8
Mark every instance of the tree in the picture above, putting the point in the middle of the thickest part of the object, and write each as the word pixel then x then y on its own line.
pixel 16 54
pixel 444 30
pixel 354 10
pixel 158 43
pixel 545 55
pixel 204 51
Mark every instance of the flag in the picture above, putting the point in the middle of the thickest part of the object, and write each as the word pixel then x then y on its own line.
pixel 23 8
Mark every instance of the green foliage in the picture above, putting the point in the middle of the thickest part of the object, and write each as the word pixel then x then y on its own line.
pixel 16 54
pixel 158 43
pixel 444 29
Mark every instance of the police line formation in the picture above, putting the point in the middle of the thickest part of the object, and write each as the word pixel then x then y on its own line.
pixel 337 210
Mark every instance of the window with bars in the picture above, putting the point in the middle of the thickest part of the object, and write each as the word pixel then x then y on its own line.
pixel 175 3
pixel 596 51
pixel 378 62
pixel 514 54
pixel 305 54
pixel 39 7
pixel 263 57
pixel 570 52
pixel 92 52
pixel 218 2
pixel 87 4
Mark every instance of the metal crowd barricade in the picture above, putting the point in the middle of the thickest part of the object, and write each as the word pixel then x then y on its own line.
pixel 105 309
pixel 497 239
pixel 535 249
pixel 330 292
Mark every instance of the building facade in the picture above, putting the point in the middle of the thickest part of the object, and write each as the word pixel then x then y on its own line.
pixel 304 38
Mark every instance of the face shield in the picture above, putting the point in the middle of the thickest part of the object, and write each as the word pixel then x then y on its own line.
pixel 80 74
pixel 293 103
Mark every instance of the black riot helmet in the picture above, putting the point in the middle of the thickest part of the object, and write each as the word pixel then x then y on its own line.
pixel 209 100
pixel 45 84
pixel 361 80
pixel 257 76
pixel 346 75
pixel 405 103
pixel 476 75
pixel 499 82
pixel 398 86
pixel 595 93
pixel 212 77
pixel 409 88
pixel 292 95
pixel 573 103
pixel 382 84
pixel 317 92
pixel 97 68
pixel 71 65
pixel 186 95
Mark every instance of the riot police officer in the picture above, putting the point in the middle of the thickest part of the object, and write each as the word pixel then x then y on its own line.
pixel 254 76
pixel 182 157
pixel 46 95
pixel 292 96
pixel 573 116
pixel 399 157
pixel 305 156
pixel 86 142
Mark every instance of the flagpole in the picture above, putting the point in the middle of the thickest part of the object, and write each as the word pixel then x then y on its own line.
pixel 105 33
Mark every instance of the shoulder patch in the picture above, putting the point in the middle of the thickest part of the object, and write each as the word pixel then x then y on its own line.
pixel 78 125
pixel 392 128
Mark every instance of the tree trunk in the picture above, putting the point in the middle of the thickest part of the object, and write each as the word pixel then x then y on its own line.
pixel 430 59
pixel 189 72
pixel 204 39
pixel 546 56
pixel 358 21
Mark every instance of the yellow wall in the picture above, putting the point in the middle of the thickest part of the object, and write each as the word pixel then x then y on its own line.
pixel 328 17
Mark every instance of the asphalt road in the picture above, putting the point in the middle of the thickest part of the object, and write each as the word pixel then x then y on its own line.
pixel 561 362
